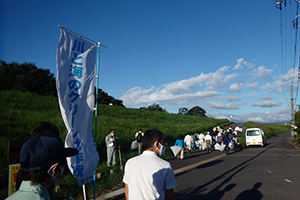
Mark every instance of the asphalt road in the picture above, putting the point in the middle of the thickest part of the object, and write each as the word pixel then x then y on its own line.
pixel 270 172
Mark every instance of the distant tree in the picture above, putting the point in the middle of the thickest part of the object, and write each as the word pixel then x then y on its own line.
pixel 27 77
pixel 154 106
pixel 297 121
pixel 104 98
pixel 197 111
pixel 182 111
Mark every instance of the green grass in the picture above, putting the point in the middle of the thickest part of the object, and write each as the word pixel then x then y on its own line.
pixel 20 112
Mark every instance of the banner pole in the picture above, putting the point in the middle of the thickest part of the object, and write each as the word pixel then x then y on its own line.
pixel 96 109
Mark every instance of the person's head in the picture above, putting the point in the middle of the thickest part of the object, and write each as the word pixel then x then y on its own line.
pixel 45 128
pixel 112 132
pixel 180 137
pixel 153 140
pixel 140 130
pixel 43 159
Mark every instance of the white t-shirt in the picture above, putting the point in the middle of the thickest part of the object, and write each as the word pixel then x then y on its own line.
pixel 148 176
pixel 188 140
pixel 208 137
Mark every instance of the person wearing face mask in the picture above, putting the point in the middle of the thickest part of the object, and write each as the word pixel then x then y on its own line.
pixel 147 176
pixel 43 127
pixel 43 159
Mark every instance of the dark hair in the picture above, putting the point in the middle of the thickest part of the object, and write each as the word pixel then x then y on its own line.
pixel 45 128
pixel 180 137
pixel 35 176
pixel 150 137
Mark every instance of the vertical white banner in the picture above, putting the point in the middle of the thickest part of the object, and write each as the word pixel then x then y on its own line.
pixel 75 83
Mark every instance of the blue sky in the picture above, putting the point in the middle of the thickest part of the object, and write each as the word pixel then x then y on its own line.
pixel 224 56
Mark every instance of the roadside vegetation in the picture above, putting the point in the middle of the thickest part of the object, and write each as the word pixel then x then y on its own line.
pixel 296 138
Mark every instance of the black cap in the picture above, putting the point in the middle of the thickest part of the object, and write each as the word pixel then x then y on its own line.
pixel 43 151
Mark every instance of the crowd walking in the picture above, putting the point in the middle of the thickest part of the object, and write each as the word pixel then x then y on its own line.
pixel 216 139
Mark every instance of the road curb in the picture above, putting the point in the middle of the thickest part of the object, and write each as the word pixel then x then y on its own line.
pixel 121 191
pixel 291 143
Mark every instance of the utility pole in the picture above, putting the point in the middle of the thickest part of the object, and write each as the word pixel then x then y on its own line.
pixel 292 106
pixel 292 111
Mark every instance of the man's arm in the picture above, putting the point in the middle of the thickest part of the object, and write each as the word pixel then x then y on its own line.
pixel 126 192
pixel 170 195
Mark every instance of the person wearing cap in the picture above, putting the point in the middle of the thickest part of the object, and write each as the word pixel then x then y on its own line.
pixel 43 159
pixel 43 127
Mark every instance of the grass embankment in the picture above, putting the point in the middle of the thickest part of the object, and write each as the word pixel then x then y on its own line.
pixel 270 130
pixel 20 112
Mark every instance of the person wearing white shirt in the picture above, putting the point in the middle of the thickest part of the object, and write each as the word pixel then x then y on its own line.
pixel 147 176
pixel 188 141
pixel 208 141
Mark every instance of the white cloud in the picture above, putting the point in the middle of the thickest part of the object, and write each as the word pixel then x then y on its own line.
pixel 179 92
pixel 233 98
pixel 266 98
pixel 283 84
pixel 278 116
pixel 236 87
pixel 261 73
pixel 212 81
pixel 207 89
pixel 266 103
pixel 241 63
pixel 216 105
pixel 253 86
pixel 287 79
pixel 137 97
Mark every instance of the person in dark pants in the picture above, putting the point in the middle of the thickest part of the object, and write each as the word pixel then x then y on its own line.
pixel 226 140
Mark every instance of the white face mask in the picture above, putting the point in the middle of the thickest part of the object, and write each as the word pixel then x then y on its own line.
pixel 162 149
pixel 56 180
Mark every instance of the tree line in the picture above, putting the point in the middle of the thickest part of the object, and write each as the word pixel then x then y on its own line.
pixel 28 77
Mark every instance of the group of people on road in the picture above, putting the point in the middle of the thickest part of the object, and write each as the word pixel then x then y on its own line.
pixel 214 139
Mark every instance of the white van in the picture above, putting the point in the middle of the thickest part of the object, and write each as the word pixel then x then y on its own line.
pixel 255 136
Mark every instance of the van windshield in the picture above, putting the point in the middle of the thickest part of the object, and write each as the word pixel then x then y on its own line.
pixel 253 133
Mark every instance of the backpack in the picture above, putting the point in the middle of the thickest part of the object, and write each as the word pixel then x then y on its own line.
pixel 139 138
